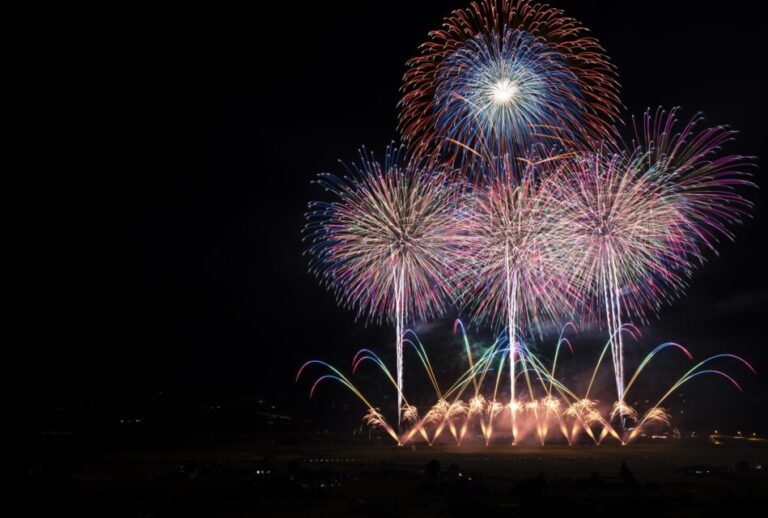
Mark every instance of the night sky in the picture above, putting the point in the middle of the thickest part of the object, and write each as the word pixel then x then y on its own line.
pixel 166 252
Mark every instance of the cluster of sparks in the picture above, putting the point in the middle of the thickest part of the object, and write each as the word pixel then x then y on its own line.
pixel 547 410
pixel 517 202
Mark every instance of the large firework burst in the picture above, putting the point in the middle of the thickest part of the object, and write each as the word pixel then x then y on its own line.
pixel 502 75
pixel 639 215
pixel 519 266
pixel 626 242
pixel 387 245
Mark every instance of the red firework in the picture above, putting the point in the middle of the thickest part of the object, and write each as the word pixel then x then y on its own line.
pixel 589 113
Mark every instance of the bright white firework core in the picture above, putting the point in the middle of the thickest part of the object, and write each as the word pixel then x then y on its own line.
pixel 504 91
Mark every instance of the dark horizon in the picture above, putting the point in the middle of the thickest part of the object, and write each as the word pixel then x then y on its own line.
pixel 168 256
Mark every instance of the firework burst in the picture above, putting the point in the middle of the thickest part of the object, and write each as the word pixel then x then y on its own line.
pixel 639 215
pixel 503 94
pixel 626 243
pixel 704 182
pixel 562 218
pixel 501 75
pixel 518 266
pixel 386 246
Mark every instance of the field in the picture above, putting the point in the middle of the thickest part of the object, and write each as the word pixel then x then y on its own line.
pixel 230 476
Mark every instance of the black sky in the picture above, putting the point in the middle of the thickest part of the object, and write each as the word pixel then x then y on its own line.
pixel 178 151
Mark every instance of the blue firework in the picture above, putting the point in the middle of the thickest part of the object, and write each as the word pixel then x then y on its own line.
pixel 499 94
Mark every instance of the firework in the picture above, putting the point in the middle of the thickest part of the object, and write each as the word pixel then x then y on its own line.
pixel 502 75
pixel 562 219
pixel 626 240
pixel 514 245
pixel 494 95
pixel 552 405
pixel 638 216
pixel 703 181
pixel 387 243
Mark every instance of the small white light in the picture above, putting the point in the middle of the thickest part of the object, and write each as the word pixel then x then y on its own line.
pixel 504 91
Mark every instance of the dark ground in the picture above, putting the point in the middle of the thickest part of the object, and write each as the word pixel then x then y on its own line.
pixel 321 475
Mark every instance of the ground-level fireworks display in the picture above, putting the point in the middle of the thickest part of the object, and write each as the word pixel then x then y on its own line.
pixel 473 409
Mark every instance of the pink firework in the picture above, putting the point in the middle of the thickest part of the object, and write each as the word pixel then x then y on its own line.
pixel 519 266
pixel 705 182
pixel 626 243
pixel 639 217
pixel 388 244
